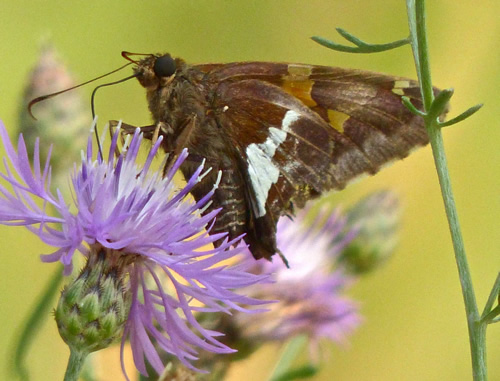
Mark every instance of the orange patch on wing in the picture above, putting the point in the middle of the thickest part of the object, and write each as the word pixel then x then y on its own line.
pixel 337 119
pixel 298 84
pixel 399 87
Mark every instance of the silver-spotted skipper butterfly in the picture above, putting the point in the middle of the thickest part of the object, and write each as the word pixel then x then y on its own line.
pixel 280 133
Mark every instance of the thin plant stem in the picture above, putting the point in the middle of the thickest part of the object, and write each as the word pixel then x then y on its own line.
pixel 292 349
pixel 75 365
pixel 494 295
pixel 477 330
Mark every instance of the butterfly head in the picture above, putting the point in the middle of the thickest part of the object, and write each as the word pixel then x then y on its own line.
pixel 155 70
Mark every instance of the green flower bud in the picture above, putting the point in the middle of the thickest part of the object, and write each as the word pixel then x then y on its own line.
pixel 93 309
pixel 377 218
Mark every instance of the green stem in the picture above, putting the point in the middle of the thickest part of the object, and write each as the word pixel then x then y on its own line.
pixel 292 349
pixel 494 296
pixel 32 325
pixel 492 315
pixel 423 54
pixel 75 365
pixel 477 330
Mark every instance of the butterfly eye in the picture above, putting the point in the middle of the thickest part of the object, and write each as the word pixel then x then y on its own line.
pixel 164 66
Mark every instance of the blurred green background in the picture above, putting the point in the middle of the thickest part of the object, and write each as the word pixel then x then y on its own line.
pixel 414 325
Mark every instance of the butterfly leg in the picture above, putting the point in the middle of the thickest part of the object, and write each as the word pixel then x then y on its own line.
pixel 127 129
pixel 180 143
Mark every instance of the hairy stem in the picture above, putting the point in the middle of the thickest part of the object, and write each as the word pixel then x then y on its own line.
pixel 75 365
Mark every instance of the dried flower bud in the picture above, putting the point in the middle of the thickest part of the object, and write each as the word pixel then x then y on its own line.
pixel 62 121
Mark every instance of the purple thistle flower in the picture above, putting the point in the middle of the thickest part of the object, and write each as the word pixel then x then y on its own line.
pixel 148 230
pixel 309 293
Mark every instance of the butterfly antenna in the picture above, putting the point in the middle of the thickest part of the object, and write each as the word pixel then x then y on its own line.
pixel 48 96
pixel 52 95
pixel 127 55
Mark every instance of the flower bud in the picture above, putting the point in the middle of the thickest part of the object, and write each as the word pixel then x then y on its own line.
pixel 93 309
pixel 376 217
pixel 62 121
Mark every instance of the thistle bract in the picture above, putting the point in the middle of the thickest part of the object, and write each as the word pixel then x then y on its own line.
pixel 93 308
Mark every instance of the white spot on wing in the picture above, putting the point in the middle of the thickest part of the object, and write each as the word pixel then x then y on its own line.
pixel 261 169
pixel 290 117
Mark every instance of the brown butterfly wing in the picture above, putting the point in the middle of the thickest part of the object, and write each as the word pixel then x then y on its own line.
pixel 300 130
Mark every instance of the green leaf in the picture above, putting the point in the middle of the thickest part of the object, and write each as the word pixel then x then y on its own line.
pixel 439 104
pixel 361 46
pixel 462 116
pixel 406 101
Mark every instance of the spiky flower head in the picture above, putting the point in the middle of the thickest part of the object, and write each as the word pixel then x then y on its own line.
pixel 93 308
pixel 147 232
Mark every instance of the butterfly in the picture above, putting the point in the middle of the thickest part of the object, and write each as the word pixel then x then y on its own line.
pixel 280 133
